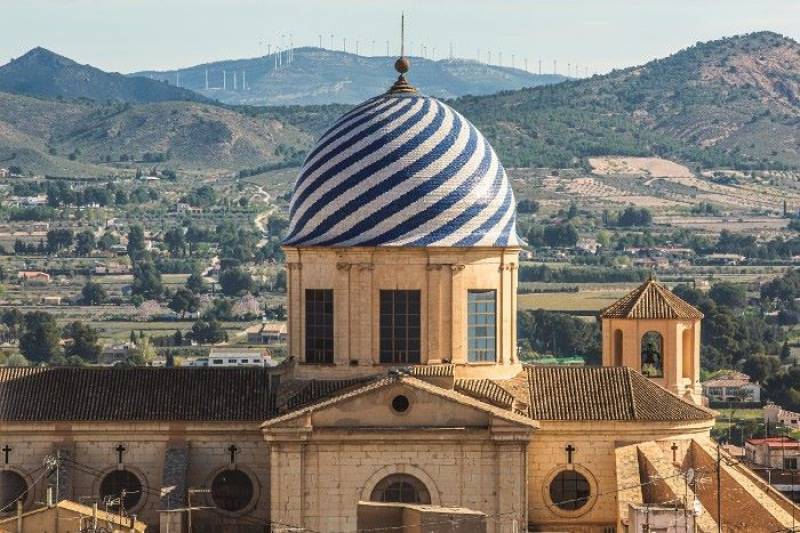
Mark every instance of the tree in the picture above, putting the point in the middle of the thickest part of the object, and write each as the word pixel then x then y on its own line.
pixel 146 280
pixel 58 239
pixel 786 351
pixel 207 332
pixel 84 243
pixel 93 293
pixel 40 340
pixel 184 301
pixel 527 206
pixel 84 341
pixel 728 294
pixel 177 338
pixel 135 242
pixel 143 353
pixel 277 225
pixel 235 281
pixel 560 235
pixel 175 241
pixel 196 283
pixel 761 367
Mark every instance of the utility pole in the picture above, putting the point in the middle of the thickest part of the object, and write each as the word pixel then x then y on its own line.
pixel 719 490
pixel 189 504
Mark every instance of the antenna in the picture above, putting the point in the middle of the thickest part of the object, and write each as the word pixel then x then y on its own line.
pixel 402 34
pixel 320 40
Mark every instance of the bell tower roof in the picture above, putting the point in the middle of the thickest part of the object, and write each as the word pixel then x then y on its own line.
pixel 651 300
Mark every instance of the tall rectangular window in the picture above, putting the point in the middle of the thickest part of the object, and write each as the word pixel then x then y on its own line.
pixel 319 326
pixel 400 327
pixel 482 325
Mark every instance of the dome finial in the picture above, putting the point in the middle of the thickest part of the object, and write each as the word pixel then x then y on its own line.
pixel 402 64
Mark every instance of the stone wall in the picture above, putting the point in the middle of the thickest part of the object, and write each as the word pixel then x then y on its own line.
pixel 165 456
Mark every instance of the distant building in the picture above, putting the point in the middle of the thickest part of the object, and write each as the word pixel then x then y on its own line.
pixel 723 259
pixel 30 276
pixel 51 300
pixel 111 355
pixel 774 452
pixel 183 207
pixel 219 357
pixel 267 333
pixel 775 415
pixel 732 387
pixel 4 173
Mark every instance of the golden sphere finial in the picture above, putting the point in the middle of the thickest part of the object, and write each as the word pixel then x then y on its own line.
pixel 402 65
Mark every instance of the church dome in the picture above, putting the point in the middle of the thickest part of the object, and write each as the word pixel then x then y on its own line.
pixel 402 170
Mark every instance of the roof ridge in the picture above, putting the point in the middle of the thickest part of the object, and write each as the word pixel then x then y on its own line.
pixel 634 403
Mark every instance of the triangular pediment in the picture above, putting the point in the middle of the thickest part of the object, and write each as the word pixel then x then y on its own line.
pixel 401 403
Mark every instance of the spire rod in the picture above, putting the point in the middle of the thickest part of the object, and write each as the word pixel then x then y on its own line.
pixel 402 64
pixel 402 34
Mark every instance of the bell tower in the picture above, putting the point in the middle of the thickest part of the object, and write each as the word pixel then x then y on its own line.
pixel 658 334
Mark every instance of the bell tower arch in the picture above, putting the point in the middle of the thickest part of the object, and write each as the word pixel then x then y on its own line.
pixel 654 332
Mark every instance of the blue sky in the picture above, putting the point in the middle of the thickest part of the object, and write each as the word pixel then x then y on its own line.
pixel 129 35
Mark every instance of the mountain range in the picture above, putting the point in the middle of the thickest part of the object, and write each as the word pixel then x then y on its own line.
pixel 308 75
pixel 733 102
pixel 45 74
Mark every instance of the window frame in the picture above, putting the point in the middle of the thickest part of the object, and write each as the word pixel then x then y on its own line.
pixel 401 481
pixel 319 327
pixel 394 347
pixel 492 354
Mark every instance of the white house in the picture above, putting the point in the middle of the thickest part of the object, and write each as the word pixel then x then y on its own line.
pixel 731 387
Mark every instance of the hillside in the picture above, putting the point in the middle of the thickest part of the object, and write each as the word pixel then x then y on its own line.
pixel 45 74
pixel 730 102
pixel 319 76
pixel 68 138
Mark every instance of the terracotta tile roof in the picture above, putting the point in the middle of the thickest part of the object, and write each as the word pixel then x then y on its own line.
pixel 443 370
pixel 142 393
pixel 485 389
pixel 604 393
pixel 651 300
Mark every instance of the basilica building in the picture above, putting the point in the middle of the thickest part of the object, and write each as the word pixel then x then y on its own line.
pixel 403 388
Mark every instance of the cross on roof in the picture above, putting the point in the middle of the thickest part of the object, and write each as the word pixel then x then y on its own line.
pixel 233 449
pixel 120 450
pixel 7 449
pixel 570 449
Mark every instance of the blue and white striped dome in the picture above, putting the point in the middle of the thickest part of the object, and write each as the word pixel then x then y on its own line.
pixel 402 170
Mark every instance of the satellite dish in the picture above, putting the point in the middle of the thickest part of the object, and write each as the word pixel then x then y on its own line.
pixel 698 508
pixel 689 475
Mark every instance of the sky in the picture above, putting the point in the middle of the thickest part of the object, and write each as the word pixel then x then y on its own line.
pixel 594 35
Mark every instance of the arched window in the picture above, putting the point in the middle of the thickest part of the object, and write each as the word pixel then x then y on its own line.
pixel 232 490
pixel 569 490
pixel 401 488
pixel 121 487
pixel 688 354
pixel 653 354
pixel 12 487
pixel 618 347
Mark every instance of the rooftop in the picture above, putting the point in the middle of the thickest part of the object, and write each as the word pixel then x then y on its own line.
pixel 651 300
pixel 260 394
